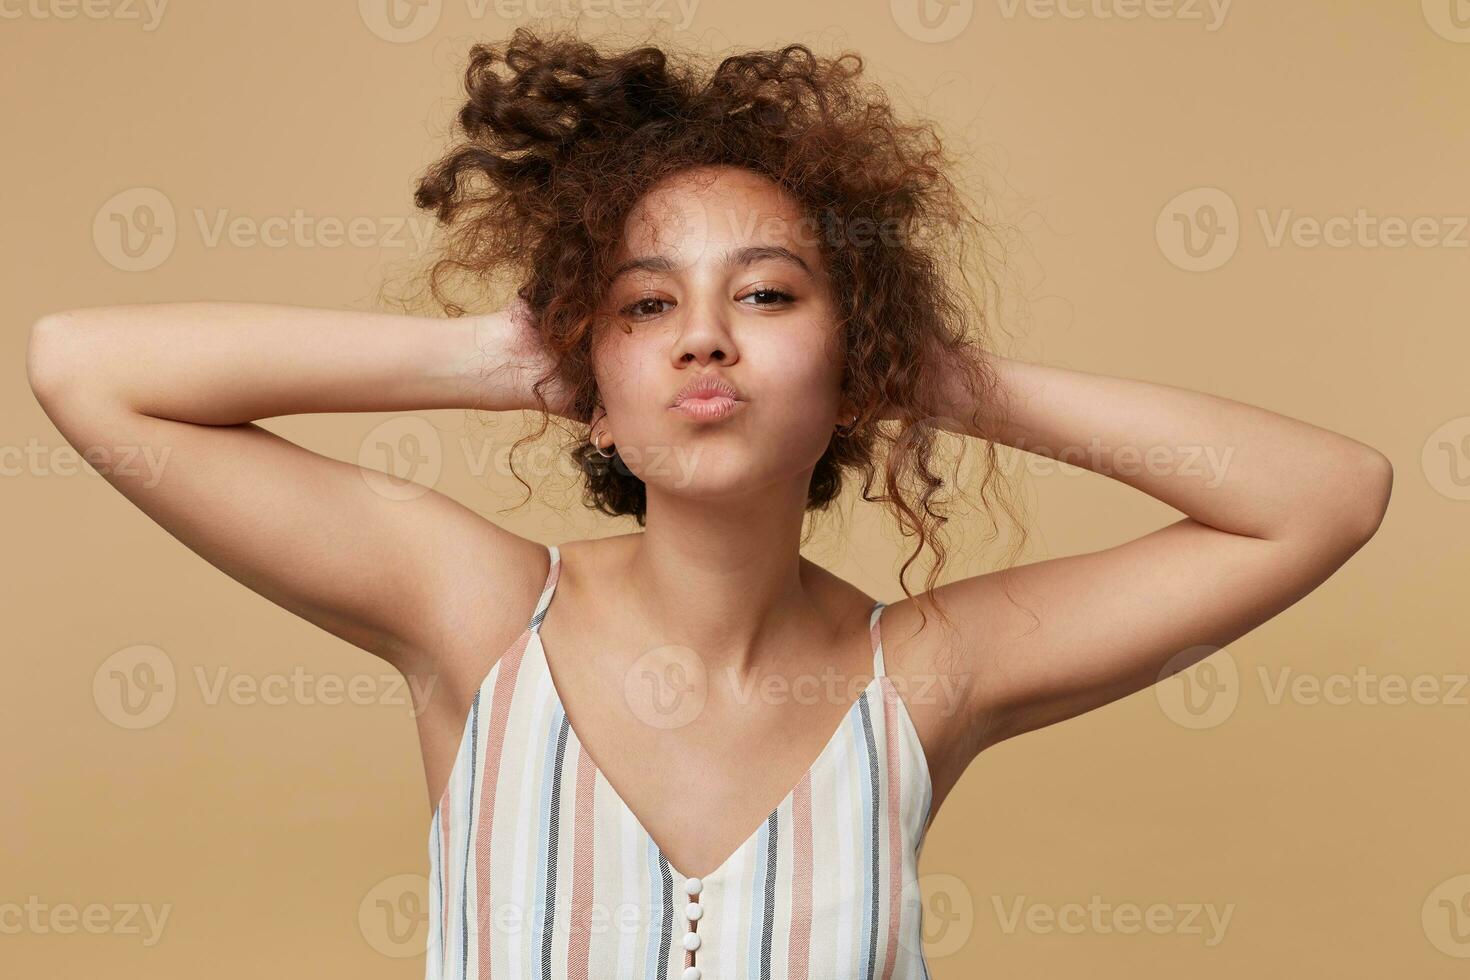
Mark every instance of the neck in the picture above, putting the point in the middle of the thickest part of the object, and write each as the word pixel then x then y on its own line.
pixel 724 574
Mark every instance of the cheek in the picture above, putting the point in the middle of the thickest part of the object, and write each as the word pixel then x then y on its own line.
pixel 625 374
pixel 796 379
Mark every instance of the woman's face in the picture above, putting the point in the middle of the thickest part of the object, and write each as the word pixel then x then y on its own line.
pixel 721 280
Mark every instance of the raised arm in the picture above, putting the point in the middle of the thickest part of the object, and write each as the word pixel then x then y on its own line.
pixel 184 383
pixel 1274 505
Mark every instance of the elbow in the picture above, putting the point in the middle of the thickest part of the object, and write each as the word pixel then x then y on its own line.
pixel 51 355
pixel 1368 490
pixel 1344 505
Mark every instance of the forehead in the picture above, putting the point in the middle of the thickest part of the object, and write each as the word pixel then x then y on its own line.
pixel 704 210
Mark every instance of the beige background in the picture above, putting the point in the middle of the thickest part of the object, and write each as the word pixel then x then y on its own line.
pixel 1332 829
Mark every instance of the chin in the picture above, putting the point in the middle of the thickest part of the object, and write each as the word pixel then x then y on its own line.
pixel 694 470
pixel 701 471
pixel 724 460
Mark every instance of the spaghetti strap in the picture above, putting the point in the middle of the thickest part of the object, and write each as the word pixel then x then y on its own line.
pixel 552 576
pixel 875 633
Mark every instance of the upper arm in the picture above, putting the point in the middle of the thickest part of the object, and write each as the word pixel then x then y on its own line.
pixel 401 578
pixel 1039 643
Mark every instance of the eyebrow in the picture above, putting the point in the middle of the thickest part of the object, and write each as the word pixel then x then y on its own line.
pixel 742 256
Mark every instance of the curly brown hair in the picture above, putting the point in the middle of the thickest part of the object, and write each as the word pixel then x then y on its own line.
pixel 559 138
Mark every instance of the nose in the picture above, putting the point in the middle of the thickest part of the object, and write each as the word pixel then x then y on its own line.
pixel 704 336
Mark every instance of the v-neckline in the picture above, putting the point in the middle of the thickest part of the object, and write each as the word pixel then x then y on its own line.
pixel 627 811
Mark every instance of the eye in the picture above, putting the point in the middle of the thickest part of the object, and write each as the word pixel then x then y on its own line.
pixel 769 295
pixel 639 308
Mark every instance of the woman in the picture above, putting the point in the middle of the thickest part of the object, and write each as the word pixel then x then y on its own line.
pixel 688 751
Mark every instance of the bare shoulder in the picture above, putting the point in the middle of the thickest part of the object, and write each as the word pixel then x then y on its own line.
pixel 496 599
pixel 588 567
pixel 487 582
pixel 928 651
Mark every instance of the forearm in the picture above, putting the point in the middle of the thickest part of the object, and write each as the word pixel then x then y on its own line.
pixel 1233 466
pixel 227 363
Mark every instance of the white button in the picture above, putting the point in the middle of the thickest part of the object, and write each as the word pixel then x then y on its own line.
pixel 693 886
pixel 690 973
pixel 693 910
pixel 691 941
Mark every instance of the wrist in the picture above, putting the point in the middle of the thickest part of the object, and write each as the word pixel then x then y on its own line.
pixel 473 363
pixel 969 402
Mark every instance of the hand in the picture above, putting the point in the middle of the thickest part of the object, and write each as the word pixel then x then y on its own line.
pixel 510 337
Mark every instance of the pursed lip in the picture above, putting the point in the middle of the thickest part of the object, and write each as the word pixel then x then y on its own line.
pixel 707 398
pixel 706 387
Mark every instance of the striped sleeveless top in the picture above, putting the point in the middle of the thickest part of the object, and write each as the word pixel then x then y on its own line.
pixel 539 871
